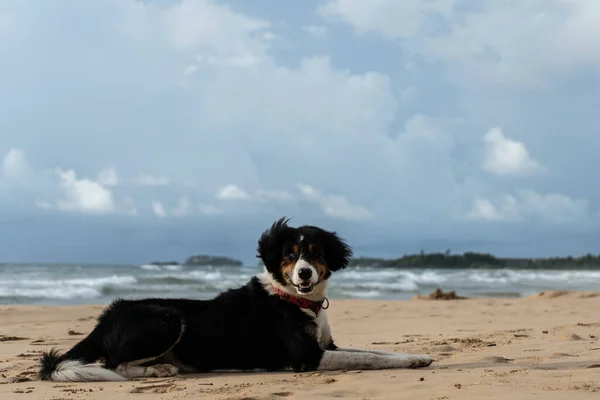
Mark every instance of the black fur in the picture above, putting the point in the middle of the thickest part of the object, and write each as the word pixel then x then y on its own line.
pixel 243 328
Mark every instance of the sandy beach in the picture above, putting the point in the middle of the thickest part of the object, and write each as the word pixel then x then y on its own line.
pixel 543 345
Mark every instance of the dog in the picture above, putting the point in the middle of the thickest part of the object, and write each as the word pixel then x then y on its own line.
pixel 275 322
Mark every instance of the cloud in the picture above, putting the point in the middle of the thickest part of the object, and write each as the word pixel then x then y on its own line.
pixel 15 165
pixel 150 180
pixel 507 157
pixel 185 208
pixel 484 209
pixel 555 207
pixel 214 27
pixel 523 43
pixel 83 195
pixel 158 209
pixel 232 192
pixel 108 177
pixel 551 207
pixel 389 18
pixel 334 205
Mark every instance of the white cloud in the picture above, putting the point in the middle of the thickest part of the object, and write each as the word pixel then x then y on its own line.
pixel 232 192
pixel 390 18
pixel 555 207
pixel 158 209
pixel 183 207
pixel 551 207
pixel 15 165
pixel 151 180
pixel 83 195
pixel 335 206
pixel 316 30
pixel 580 30
pixel 484 209
pixel 507 157
pixel 220 35
pixel 495 42
pixel 108 177
pixel 209 209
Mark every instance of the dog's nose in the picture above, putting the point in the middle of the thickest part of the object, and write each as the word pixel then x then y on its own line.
pixel 304 273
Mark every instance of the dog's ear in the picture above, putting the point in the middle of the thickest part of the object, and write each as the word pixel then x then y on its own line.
pixel 270 245
pixel 337 252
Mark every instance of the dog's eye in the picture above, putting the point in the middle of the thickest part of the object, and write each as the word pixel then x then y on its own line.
pixel 290 254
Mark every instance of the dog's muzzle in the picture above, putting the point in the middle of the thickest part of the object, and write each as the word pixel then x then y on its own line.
pixel 304 277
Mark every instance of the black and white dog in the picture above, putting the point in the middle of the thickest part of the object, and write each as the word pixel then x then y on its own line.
pixel 277 321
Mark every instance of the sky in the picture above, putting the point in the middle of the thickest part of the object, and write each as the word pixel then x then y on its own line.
pixel 133 131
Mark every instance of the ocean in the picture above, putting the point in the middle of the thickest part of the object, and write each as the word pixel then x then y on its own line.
pixel 55 284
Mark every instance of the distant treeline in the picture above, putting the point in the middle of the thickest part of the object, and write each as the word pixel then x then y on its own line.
pixel 476 260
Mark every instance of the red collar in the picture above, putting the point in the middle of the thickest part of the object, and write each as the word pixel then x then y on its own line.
pixel 315 306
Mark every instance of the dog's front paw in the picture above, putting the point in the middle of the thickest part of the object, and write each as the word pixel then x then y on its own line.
pixel 163 370
pixel 420 361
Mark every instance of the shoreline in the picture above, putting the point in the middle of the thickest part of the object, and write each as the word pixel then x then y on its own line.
pixel 545 344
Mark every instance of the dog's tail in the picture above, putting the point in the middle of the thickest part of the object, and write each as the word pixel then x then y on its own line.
pixel 76 365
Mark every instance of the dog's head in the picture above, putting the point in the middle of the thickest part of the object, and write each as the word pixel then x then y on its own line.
pixel 302 257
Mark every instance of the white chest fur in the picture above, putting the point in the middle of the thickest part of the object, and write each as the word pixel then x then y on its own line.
pixel 320 330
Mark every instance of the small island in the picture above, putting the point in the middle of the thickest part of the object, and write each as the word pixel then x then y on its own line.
pixel 203 260
pixel 477 260
pixel 215 261
pixel 163 263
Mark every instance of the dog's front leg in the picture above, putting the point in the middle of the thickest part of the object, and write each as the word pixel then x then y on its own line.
pixel 351 360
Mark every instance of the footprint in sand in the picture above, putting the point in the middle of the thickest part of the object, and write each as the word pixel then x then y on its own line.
pixel 561 355
pixel 444 350
pixel 496 360
pixel 567 337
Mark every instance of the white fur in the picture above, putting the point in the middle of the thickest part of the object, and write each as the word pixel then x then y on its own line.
pixel 75 371
pixel 300 264
pixel 350 360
